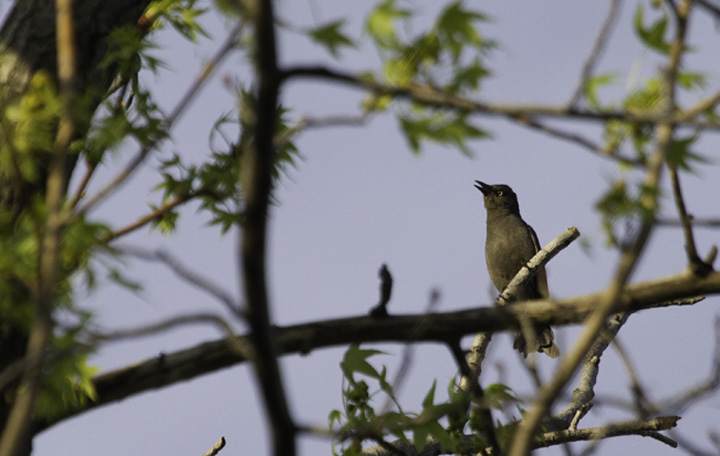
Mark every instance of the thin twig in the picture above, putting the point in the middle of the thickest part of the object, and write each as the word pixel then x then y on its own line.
pixel 695 264
pixel 407 355
pixel 430 96
pixel 682 401
pixel 584 393
pixel 154 329
pixel 240 347
pixel 542 257
pixel 700 107
pixel 186 273
pixel 150 217
pixel 219 445
pixel 597 50
pixel 694 221
pixel 478 394
pixel 80 191
pixel 156 139
pixel 710 7
pixel 640 398
pixel 582 141
pixel 305 123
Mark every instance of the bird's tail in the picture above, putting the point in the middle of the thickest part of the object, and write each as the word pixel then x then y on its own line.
pixel 544 342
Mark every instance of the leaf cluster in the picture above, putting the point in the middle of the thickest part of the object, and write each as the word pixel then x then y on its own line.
pixel 440 422
pixel 216 183
pixel 449 57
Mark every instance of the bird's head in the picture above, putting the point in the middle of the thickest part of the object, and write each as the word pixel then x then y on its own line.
pixel 498 197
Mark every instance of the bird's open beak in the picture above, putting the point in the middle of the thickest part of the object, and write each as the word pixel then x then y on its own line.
pixel 483 187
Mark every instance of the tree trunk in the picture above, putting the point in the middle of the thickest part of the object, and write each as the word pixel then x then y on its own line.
pixel 27 45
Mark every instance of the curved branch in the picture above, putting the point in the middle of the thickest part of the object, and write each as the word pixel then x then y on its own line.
pixel 694 262
pixel 257 183
pixel 167 369
pixel 430 96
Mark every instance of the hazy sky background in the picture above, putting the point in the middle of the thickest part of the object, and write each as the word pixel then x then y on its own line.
pixel 360 198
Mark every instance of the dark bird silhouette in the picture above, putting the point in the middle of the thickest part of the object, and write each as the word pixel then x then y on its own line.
pixel 510 243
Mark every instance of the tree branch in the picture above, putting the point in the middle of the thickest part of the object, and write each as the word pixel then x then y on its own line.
pixel 583 395
pixel 478 395
pixel 200 80
pixel 219 445
pixel 257 183
pixel 644 428
pixel 15 432
pixel 597 49
pixel 572 360
pixel 429 96
pixel 184 272
pixel 600 151
pixel 150 217
pixel 696 265
pixel 208 357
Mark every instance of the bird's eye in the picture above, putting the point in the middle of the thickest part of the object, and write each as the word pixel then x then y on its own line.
pixel 499 193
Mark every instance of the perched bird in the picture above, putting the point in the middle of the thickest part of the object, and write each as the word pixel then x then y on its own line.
pixel 509 245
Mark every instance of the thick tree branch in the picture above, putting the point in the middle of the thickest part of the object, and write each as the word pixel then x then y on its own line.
pixel 170 368
pixel 15 432
pixel 257 184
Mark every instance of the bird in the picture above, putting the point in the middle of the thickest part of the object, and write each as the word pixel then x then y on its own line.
pixel 509 244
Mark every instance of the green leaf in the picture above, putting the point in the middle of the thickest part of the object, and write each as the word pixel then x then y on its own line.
pixel 680 155
pixel 596 82
pixel 433 429
pixel 444 128
pixel 335 418
pixel 331 36
pixel 654 35
pixel 691 81
pixel 458 27
pixel 499 395
pixel 380 23
pixel 429 399
pixel 355 361
pixel 468 76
